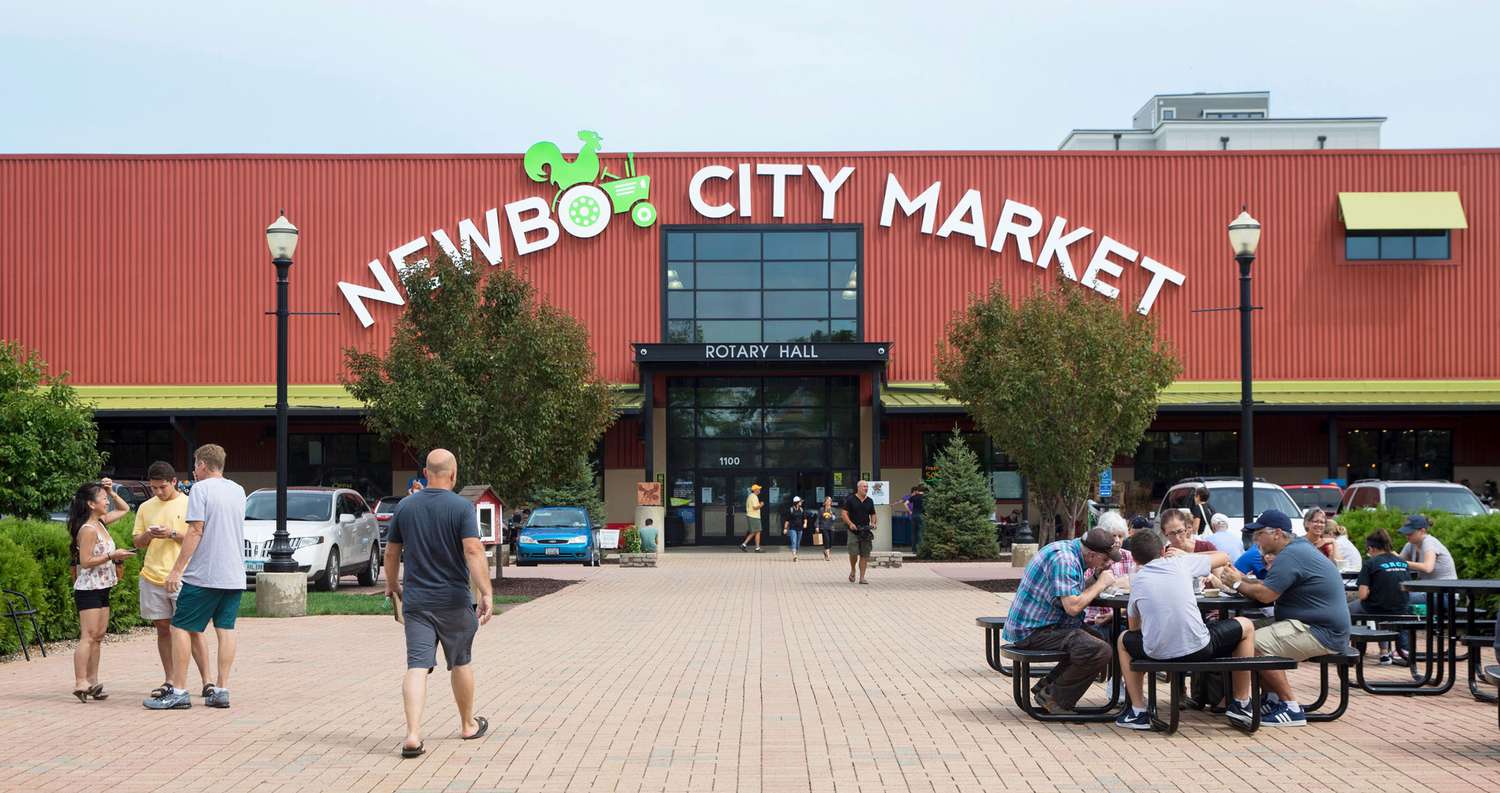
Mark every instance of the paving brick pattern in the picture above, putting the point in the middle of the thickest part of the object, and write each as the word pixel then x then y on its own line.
pixel 713 672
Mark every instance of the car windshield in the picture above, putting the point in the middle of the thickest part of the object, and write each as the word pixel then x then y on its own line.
pixel 1231 501
pixel 1324 498
pixel 1414 498
pixel 558 518
pixel 386 506
pixel 299 506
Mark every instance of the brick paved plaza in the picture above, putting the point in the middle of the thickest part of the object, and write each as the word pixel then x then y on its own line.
pixel 714 672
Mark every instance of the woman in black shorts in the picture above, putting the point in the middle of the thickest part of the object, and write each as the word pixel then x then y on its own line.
pixel 96 561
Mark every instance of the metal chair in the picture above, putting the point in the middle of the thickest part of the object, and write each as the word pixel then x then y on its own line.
pixel 15 614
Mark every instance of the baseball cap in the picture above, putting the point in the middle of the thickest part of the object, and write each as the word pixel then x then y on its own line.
pixel 755 487
pixel 796 499
pixel 1102 541
pixel 1271 519
pixel 1415 523
pixel 1140 522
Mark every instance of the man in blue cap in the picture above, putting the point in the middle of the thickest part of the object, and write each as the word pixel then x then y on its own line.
pixel 1426 557
pixel 1312 613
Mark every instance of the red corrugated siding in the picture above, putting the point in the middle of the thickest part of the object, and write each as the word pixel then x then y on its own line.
pixel 108 254
pixel 623 447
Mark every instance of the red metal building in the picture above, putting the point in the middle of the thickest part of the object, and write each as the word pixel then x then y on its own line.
pixel 147 279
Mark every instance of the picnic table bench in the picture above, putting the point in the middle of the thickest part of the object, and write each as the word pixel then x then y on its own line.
pixel 1176 670
pixel 1023 691
pixel 994 627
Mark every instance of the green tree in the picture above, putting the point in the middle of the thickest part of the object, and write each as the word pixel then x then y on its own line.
pixel 480 366
pixel 1063 383
pixel 956 521
pixel 48 442
pixel 578 488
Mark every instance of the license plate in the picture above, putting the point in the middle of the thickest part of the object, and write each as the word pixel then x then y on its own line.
pixel 552 551
pixel 254 565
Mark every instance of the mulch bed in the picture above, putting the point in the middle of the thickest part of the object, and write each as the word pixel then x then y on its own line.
pixel 996 584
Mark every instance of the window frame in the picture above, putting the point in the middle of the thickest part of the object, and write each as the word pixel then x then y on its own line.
pixel 1381 236
pixel 833 290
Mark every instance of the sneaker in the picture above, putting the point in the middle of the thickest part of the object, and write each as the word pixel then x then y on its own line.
pixel 1400 658
pixel 1268 703
pixel 170 700
pixel 1047 701
pixel 1283 716
pixel 744 549
pixel 757 549
pixel 1385 660
pixel 1239 714
pixel 218 699
pixel 1130 720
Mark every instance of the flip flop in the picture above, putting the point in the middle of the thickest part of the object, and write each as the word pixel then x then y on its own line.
pixel 82 694
pixel 864 582
pixel 851 578
pixel 416 751
pixel 97 692
pixel 484 727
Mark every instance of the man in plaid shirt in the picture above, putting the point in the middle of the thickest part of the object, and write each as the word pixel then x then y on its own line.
pixel 1047 614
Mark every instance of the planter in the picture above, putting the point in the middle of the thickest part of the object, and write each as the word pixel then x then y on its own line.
pixel 637 560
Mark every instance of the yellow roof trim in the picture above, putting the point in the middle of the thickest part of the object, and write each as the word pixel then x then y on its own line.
pixel 1218 393
pixel 1402 211
pixel 241 398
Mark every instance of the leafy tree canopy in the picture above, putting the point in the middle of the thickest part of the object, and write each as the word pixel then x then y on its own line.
pixel 48 441
pixel 1063 382
pixel 480 366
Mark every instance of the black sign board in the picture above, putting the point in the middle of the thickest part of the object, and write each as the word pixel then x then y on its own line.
pixel 774 353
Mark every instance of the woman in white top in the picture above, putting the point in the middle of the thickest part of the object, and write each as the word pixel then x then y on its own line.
pixel 96 563
pixel 1349 559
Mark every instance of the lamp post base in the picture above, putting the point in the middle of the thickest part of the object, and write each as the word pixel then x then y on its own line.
pixel 1021 553
pixel 281 595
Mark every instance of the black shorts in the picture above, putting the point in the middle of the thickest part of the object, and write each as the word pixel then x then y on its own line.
pixel 453 628
pixel 1222 637
pixel 87 599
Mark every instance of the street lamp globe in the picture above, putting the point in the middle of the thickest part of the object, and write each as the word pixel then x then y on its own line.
pixel 281 238
pixel 1244 235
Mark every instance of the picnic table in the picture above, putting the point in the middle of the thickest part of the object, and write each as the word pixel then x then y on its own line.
pixel 1440 661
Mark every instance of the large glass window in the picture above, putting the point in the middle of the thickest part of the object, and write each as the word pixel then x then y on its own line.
pixel 356 460
pixel 780 284
pixel 131 449
pixel 1165 457
pixel 1004 478
pixel 1396 245
pixel 1399 454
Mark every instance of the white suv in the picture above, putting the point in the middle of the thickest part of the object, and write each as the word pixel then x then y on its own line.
pixel 1227 495
pixel 333 534
pixel 1412 496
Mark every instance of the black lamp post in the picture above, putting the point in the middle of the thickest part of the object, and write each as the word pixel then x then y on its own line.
pixel 1244 236
pixel 281 238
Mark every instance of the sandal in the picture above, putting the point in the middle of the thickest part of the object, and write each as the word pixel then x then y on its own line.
pixel 413 751
pixel 97 691
pixel 161 691
pixel 851 578
pixel 82 694
pixel 484 727
pixel 864 582
pixel 208 688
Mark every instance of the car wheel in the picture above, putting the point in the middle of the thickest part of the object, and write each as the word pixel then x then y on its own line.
pixel 330 579
pixel 520 563
pixel 371 573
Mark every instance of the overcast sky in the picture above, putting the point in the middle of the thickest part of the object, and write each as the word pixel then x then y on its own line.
pixel 492 76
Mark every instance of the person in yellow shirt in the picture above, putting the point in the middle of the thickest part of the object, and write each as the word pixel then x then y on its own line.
pixel 752 514
pixel 160 525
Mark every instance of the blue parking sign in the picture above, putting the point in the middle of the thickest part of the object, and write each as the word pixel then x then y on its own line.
pixel 1107 483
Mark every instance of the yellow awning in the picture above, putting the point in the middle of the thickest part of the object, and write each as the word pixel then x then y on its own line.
pixel 1402 211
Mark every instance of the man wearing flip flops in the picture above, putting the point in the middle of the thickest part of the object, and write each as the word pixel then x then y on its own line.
pixel 439 532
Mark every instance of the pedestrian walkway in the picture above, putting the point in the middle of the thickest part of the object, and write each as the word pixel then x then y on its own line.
pixel 713 672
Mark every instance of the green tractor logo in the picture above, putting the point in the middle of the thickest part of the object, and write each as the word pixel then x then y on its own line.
pixel 586 207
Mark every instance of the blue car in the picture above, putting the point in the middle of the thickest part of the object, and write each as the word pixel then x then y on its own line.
pixel 557 534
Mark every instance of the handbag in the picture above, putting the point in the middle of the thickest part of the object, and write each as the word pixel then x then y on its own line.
pixel 818 537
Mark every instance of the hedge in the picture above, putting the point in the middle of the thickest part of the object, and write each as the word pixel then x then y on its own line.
pixel 1474 541
pixel 34 560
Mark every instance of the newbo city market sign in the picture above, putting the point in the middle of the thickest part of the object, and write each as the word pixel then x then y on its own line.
pixel 588 195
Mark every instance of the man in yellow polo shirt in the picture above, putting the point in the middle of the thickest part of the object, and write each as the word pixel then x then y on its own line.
pixel 160 525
